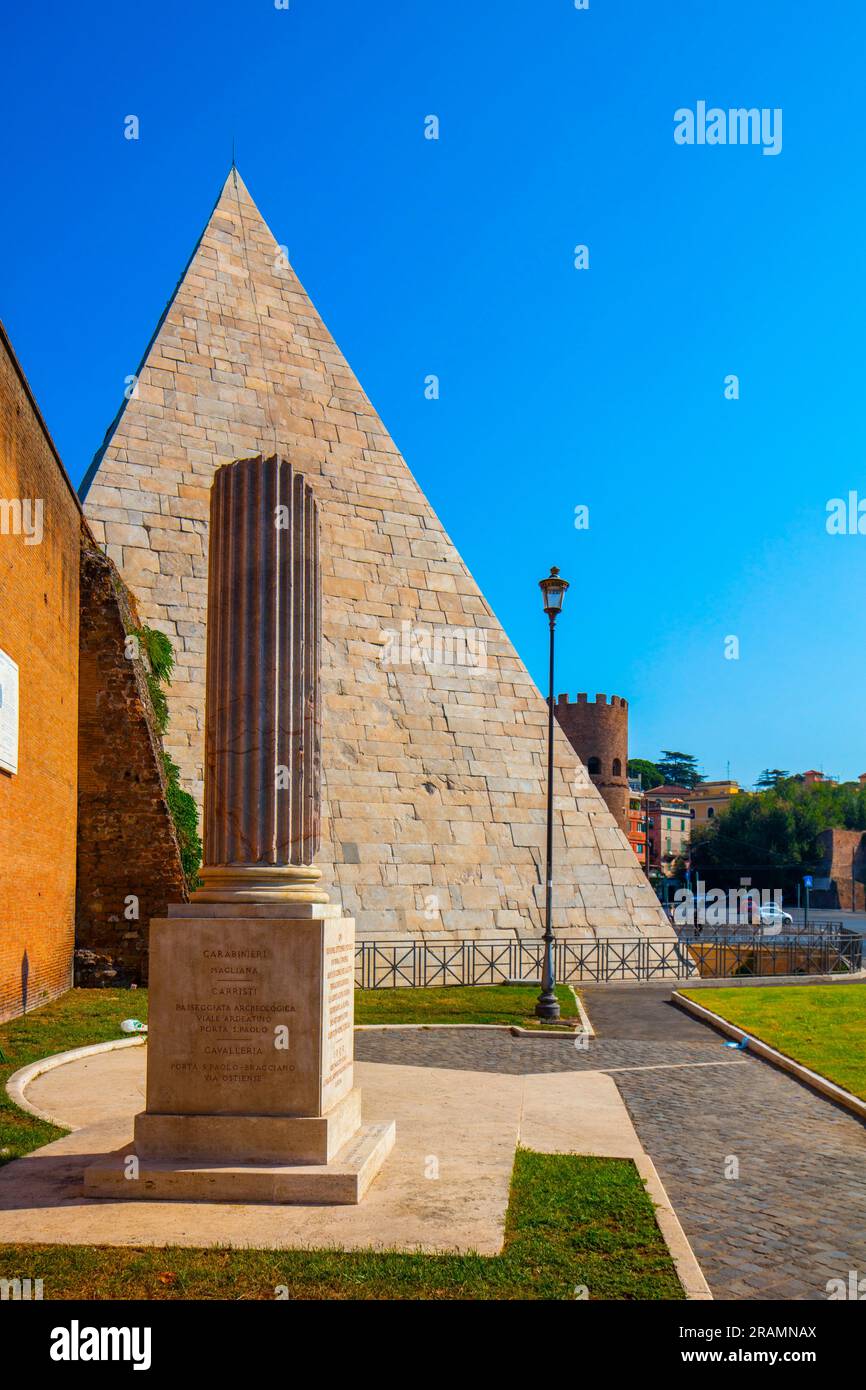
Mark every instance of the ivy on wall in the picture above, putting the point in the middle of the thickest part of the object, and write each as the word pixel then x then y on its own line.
pixel 159 664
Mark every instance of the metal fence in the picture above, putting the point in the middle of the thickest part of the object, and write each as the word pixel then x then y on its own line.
pixel 419 964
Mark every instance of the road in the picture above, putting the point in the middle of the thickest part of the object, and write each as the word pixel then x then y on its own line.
pixel 855 921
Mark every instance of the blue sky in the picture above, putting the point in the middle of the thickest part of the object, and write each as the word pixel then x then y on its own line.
pixel 559 387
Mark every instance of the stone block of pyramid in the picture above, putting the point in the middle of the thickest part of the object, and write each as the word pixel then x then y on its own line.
pixel 434 737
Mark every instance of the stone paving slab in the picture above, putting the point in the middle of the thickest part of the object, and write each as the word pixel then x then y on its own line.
pixel 468 1124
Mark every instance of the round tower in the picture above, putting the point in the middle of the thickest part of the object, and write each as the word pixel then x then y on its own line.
pixel 598 733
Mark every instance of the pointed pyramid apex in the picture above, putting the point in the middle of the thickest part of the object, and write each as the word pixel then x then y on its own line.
pixel 234 183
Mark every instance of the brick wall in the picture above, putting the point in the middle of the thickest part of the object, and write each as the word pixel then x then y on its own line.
pixel 844 864
pixel 598 730
pixel 128 855
pixel 39 630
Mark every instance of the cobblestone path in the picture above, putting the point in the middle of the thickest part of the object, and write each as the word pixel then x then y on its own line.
pixel 793 1218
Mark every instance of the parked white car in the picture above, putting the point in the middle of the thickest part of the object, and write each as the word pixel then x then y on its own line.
pixel 772 915
pixel 706 912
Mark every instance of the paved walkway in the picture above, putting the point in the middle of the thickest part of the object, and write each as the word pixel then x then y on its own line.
pixel 795 1216
pixel 445 1186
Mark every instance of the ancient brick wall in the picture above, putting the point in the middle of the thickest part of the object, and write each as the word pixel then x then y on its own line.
pixel 129 865
pixel 598 733
pixel 844 864
pixel 39 631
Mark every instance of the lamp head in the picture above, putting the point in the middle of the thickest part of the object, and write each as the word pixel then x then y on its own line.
pixel 553 592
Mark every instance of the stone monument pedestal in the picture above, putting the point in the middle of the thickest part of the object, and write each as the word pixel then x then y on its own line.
pixel 250 1094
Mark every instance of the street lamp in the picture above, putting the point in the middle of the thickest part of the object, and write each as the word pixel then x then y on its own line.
pixel 547 1006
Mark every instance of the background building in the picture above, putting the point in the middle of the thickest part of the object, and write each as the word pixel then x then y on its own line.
pixel 668 821
pixel 813 777
pixel 637 837
pixel 707 799
pixel 88 849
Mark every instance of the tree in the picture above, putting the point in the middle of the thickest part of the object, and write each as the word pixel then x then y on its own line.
pixel 649 774
pixel 679 769
pixel 770 778
pixel 772 836
pixel 761 836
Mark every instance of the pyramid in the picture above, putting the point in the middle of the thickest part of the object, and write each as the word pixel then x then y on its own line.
pixel 434 735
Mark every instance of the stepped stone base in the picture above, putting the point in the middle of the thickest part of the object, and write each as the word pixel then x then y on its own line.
pixel 342 1182
pixel 250 1092
pixel 279 1139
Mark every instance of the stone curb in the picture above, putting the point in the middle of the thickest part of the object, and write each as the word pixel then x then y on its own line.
pixel 723 981
pixel 689 1272
pixel 513 1028
pixel 21 1079
pixel 585 1021
pixel 813 1079
pixel 586 1029
pixel 748 981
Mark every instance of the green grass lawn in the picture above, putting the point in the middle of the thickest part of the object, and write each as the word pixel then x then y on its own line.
pixel 76 1019
pixel 822 1026
pixel 511 1004
pixel 572 1223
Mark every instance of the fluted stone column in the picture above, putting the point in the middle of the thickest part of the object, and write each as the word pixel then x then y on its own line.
pixel 262 805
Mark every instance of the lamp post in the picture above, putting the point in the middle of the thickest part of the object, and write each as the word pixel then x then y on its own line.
pixel 547 1006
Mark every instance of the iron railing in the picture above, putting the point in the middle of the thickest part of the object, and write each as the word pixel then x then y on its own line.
pixel 421 964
